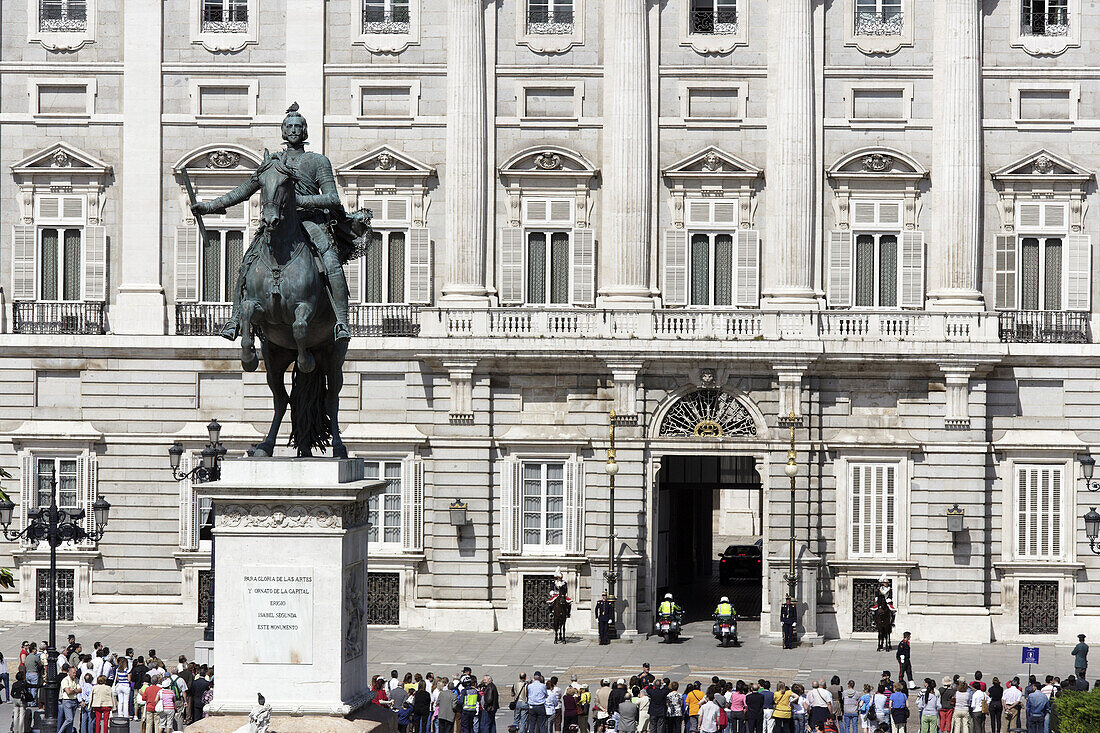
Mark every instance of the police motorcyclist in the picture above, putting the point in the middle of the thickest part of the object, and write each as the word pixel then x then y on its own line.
pixel 670 607
pixel 724 611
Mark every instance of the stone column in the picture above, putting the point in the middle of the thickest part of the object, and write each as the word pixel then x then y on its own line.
pixel 305 65
pixel 627 191
pixel 790 171
pixel 140 306
pixel 957 140
pixel 467 155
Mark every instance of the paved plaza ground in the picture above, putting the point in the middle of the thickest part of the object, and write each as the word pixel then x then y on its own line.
pixel 504 655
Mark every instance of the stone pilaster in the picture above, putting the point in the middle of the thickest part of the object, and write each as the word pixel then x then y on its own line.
pixel 627 142
pixel 957 140
pixel 467 154
pixel 305 65
pixel 791 167
pixel 140 306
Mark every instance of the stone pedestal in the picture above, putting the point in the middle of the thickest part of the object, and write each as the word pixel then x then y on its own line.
pixel 290 548
pixel 807 567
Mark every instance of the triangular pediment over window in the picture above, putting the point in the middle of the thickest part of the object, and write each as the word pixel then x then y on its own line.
pixel 1046 176
pixel 712 173
pixel 1041 163
pixel 59 157
pixel 385 161
pixel 712 160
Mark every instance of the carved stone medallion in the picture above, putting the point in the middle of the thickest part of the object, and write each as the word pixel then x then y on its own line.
pixel 223 158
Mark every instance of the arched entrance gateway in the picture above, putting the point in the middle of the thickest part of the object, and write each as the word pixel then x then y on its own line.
pixel 707 522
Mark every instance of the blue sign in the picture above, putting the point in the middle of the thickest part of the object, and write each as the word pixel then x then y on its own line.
pixel 1031 655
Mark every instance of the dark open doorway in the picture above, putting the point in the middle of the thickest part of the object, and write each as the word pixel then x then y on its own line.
pixel 705 505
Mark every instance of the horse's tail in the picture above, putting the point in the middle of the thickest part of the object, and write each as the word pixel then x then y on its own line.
pixel 310 426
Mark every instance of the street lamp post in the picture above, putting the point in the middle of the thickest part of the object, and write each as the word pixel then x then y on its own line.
pixel 612 468
pixel 209 469
pixel 56 526
pixel 1092 529
pixel 791 469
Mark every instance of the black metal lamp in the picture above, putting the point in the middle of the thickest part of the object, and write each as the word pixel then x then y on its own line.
pixel 214 430
pixel 7 507
pixel 175 453
pixel 955 519
pixel 101 509
pixel 1092 528
pixel 1088 468
pixel 457 510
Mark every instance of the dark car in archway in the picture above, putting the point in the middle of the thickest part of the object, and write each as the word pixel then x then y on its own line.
pixel 740 561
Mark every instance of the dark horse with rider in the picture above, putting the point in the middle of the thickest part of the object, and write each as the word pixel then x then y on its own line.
pixel 291 291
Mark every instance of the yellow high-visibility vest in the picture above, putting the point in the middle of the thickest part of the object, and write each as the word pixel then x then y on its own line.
pixel 724 609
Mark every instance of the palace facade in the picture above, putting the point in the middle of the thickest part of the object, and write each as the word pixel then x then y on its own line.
pixel 705 215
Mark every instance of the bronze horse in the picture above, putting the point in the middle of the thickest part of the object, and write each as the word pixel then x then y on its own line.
pixel 286 304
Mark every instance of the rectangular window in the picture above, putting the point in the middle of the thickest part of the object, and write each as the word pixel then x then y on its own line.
pixel 61 258
pixel 221 258
pixel 556 102
pixel 873 496
pixel 55 480
pixel 878 18
pixel 878 104
pixel 1039 511
pixel 1041 105
pixel 714 103
pixel 395 101
pixel 385 16
pixel 548 267
pixel 1041 273
pixel 710 268
pixel 384 263
pixel 224 16
pixel 876 270
pixel 1044 17
pixel 543 504
pixel 384 505
pixel 62 99
pixel 713 17
pixel 62 16
pixel 549 17
pixel 223 101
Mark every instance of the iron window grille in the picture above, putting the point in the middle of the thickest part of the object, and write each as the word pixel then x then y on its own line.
pixel 864 592
pixel 65 581
pixel 878 23
pixel 225 16
pixel 544 21
pixel 1045 18
pixel 536 591
pixel 714 21
pixel 1038 607
pixel 378 19
pixel 88 318
pixel 383 606
pixel 62 16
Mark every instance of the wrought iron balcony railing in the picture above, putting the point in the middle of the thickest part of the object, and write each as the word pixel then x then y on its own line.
pixel 61 16
pixel 232 19
pixel 720 22
pixel 543 22
pixel 885 23
pixel 87 318
pixel 384 320
pixel 201 319
pixel 1053 22
pixel 1044 327
pixel 377 20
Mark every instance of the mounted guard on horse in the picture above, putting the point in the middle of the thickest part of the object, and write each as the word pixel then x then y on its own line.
pixel 884 613
pixel 560 606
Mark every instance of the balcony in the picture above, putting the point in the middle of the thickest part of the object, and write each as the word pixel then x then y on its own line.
pixel 383 320
pixel 233 19
pixel 201 319
pixel 1044 327
pixel 58 16
pixel 544 22
pixel 885 23
pixel 379 21
pixel 1054 22
pixel 88 318
pixel 720 22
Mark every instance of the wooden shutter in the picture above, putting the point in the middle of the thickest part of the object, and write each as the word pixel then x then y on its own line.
pixel 889 213
pixel 26 492
pixel 912 270
pixel 1029 216
pixel 840 269
pixel 412 505
pixel 353 273
pixel 511 265
pixel 1005 265
pixel 873 499
pixel 1054 216
pixel 561 211
pixel 511 529
pixel 1039 511
pixel 377 207
pixel 574 507
pixel 864 213
pixel 675 262
pixel 23 262
pixel 1078 272
pixel 698 212
pixel 87 486
pixel 725 212
pixel 189 536
pixel 886 487
pixel 187 263
pixel 748 268
pixel 397 209
pixel 584 267
pixel 420 265
pixel 95 263
pixel 536 211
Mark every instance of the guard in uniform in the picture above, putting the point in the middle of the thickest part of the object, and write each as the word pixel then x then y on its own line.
pixel 788 616
pixel 605 617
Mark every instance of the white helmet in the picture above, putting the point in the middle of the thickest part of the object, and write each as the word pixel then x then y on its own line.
pixel 668 596
pixel 724 600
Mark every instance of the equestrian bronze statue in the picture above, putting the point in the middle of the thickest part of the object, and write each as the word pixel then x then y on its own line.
pixel 291 290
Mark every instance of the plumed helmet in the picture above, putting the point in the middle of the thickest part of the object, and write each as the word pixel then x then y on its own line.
pixel 292 113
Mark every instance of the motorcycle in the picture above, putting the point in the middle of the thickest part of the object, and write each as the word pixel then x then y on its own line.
pixel 725 630
pixel 667 626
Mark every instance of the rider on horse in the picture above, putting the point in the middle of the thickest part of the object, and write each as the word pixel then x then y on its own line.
pixel 559 589
pixel 884 596
pixel 331 231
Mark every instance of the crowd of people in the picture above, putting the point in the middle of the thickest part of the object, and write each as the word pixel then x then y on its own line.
pixel 645 703
pixel 96 686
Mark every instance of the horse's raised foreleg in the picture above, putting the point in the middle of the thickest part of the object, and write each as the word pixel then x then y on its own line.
pixel 335 368
pixel 302 313
pixel 249 358
pixel 276 359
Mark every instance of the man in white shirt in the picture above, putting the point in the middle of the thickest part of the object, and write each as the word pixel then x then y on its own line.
pixel 393 682
pixel 1012 699
pixel 708 716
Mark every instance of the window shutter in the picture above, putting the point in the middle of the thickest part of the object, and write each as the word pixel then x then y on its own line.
pixel 353 271
pixel 397 209
pixel 561 211
pixel 840 269
pixel 1078 272
pixel 376 207
pixel 699 212
pixel 863 212
pixel 511 265
pixel 420 265
pixel 1006 271
pixel 87 482
pixel 187 263
pixel 748 267
pixel 49 207
pixel 584 267
pixel 189 537
pixel 510 506
pixel 912 269
pixel 536 211
pixel 889 518
pixel 412 505
pixel 1054 522
pixel 72 208
pixel 26 492
pixel 725 212
pixel 1030 215
pixel 23 262
pixel 95 263
pixel 1023 513
pixel 1054 216
pixel 675 281
pixel 574 507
